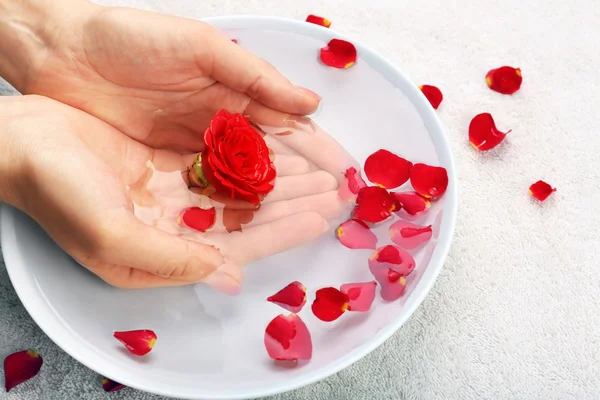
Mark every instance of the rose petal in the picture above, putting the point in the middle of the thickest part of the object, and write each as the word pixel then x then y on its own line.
pixel 138 342
pixel 393 285
pixel 329 304
pixel 374 204
pixel 386 169
pixel 408 235
pixel 483 134
pixel 411 205
pixel 20 367
pixel 433 94
pixel 288 338
pixel 292 297
pixel 428 181
pixel 391 257
pixel 197 218
pixel 355 234
pixel 541 190
pixel 505 80
pixel 360 295
pixel 352 184
pixel 314 19
pixel 339 54
pixel 111 386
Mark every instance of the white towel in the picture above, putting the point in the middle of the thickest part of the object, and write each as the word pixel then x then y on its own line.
pixel 515 313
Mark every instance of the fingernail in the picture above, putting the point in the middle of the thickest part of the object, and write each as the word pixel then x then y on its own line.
pixel 309 92
pixel 224 283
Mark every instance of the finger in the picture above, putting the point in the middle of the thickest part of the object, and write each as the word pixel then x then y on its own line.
pixel 242 71
pixel 287 165
pixel 268 239
pixel 129 242
pixel 327 204
pixel 297 186
pixel 129 278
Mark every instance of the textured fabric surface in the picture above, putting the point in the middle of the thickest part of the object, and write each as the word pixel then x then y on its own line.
pixel 515 312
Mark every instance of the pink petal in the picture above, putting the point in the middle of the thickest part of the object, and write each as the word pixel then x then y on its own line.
pixel 288 338
pixel 351 185
pixel 393 284
pixel 413 206
pixel 360 295
pixel 392 257
pixel 409 235
pixel 355 234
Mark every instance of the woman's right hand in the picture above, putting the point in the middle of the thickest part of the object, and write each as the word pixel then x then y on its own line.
pixel 71 173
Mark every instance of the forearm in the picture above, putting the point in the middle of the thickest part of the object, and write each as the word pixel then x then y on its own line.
pixel 30 30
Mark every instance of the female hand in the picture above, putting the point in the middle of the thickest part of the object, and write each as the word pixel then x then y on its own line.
pixel 71 173
pixel 159 79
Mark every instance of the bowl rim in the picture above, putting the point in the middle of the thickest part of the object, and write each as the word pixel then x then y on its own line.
pixel 59 333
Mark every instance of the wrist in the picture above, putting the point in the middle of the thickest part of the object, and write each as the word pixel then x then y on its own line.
pixel 32 30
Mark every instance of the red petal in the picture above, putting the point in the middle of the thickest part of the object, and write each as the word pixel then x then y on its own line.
pixel 433 94
pixel 505 80
pixel 20 367
pixel 360 295
pixel 541 190
pixel 391 257
pixel 339 54
pixel 355 234
pixel 429 181
pixel 329 304
pixel 197 218
pixel 411 205
pixel 353 182
pixel 111 386
pixel 138 342
pixel 313 19
pixel 292 297
pixel 386 169
pixel 408 235
pixel 234 41
pixel 393 285
pixel 288 338
pixel 483 134
pixel 374 204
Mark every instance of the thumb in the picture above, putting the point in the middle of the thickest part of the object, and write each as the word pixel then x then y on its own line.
pixel 242 71
pixel 138 246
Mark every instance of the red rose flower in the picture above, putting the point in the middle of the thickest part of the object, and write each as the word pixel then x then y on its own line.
pixel 235 159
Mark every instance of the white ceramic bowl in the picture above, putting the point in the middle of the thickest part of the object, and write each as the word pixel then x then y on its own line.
pixel 210 346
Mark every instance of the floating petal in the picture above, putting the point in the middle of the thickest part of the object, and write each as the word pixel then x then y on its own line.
pixel 288 338
pixel 292 297
pixel 374 204
pixel 339 54
pixel 386 169
pixel 360 295
pixel 197 218
pixel 429 181
pixel 411 205
pixel 355 234
pixel 391 257
pixel 329 304
pixel 408 235
pixel 138 342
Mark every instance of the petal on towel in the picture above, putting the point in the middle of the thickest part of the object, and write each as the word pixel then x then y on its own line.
pixel 387 170
pixel 483 134
pixel 314 19
pixel 292 297
pixel 433 94
pixel 288 338
pixel 409 236
pixel 360 295
pixel 355 234
pixel 20 367
pixel 111 386
pixel 138 342
pixel 339 54
pixel 329 304
pixel 430 182
pixel 505 80
pixel 541 190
